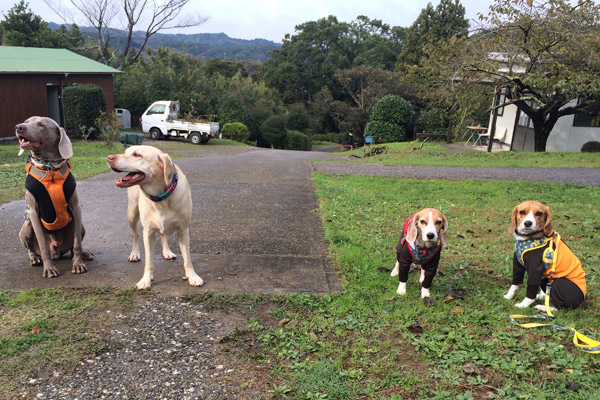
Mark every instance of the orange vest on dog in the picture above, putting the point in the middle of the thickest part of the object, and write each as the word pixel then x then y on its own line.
pixel 52 191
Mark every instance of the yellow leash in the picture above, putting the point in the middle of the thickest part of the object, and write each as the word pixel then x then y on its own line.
pixel 581 341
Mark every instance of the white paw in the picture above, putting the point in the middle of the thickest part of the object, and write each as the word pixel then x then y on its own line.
pixel 134 257
pixel 169 255
pixel 541 295
pixel 425 293
pixel 401 289
pixel 195 280
pixel 511 292
pixel 525 303
pixel 144 283
pixel 396 269
pixel 542 307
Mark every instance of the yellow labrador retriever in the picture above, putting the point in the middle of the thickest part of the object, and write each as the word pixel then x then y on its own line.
pixel 159 193
pixel 53 225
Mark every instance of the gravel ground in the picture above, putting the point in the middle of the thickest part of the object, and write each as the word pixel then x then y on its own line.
pixel 165 349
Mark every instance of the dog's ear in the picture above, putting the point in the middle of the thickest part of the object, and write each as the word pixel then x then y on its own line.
pixel 513 224
pixel 64 144
pixel 548 224
pixel 444 230
pixel 168 167
pixel 412 231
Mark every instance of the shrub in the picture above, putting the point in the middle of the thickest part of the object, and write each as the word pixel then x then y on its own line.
pixel 236 131
pixel 297 118
pixel 273 131
pixel 591 147
pixel 109 133
pixel 83 105
pixel 335 137
pixel 296 140
pixel 384 132
pixel 318 138
pixel 389 118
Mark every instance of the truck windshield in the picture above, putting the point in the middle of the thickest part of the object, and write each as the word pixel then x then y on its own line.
pixel 157 109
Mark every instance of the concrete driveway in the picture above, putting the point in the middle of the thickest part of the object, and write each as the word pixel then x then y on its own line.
pixel 255 229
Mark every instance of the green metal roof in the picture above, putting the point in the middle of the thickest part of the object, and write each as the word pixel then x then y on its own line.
pixel 27 60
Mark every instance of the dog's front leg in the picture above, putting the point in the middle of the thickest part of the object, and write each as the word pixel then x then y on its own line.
pixel 78 265
pixel 133 216
pixel 50 270
pixel 149 243
pixel 511 292
pixel 183 237
pixel 166 250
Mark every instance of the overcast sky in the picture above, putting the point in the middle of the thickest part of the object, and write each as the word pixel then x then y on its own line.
pixel 272 19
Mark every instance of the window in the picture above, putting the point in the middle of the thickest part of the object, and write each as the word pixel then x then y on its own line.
pixel 157 109
pixel 501 100
pixel 587 120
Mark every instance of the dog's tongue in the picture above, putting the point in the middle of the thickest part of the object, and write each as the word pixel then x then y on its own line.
pixel 132 178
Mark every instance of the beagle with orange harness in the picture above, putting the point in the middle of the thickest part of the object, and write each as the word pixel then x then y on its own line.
pixel 424 235
pixel 537 246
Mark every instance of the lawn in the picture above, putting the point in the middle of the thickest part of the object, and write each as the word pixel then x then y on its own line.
pixel 434 154
pixel 369 343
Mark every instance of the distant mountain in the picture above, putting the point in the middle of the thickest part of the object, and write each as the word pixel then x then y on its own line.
pixel 205 45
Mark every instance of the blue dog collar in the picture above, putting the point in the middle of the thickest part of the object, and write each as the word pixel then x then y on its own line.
pixel 169 190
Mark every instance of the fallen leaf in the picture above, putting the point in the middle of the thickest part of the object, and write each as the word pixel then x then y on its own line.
pixel 284 321
pixel 448 298
pixel 428 301
pixel 35 330
pixel 569 370
pixel 457 310
pixel 313 336
pixel 456 293
pixel 469 368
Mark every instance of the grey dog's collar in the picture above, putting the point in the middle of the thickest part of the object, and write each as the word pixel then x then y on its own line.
pixel 47 164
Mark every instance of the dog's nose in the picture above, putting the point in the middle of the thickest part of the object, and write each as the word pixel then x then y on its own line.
pixel 430 235
pixel 20 127
pixel 527 224
pixel 111 157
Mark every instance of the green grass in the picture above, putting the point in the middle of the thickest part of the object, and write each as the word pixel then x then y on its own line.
pixel 43 330
pixel 359 342
pixel 434 154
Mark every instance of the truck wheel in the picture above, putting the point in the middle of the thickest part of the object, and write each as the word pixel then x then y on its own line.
pixel 195 138
pixel 155 134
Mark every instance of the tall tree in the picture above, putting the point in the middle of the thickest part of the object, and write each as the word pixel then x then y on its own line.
pixel 147 16
pixel 21 27
pixel 443 22
pixel 543 53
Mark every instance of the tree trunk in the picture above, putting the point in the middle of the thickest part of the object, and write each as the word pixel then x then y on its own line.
pixel 540 135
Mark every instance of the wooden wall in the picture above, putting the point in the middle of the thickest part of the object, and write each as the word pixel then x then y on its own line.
pixel 24 95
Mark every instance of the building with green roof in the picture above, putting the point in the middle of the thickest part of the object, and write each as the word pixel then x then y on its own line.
pixel 32 80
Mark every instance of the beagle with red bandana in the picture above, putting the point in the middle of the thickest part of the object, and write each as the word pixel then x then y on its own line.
pixel 423 237
pixel 536 247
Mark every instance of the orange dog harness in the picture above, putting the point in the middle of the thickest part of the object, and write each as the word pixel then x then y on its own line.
pixel 52 191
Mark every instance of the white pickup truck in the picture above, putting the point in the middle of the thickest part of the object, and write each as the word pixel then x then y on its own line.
pixel 161 119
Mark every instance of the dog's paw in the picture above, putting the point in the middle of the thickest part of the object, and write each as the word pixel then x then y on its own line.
pixel 511 292
pixel 401 289
pixel 144 283
pixel 428 301
pixel 396 269
pixel 425 293
pixel 35 260
pixel 195 280
pixel 525 303
pixel 134 257
pixel 541 295
pixel 542 307
pixel 50 271
pixel 79 268
pixel 169 255
pixel 87 255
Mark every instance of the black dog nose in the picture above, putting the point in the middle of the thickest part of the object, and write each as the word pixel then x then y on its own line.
pixel 20 127
pixel 527 224
pixel 430 235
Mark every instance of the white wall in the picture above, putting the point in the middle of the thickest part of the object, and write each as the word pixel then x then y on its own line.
pixel 569 138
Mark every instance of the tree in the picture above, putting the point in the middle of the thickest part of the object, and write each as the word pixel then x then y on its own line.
pixel 431 26
pixel 21 27
pixel 544 54
pixel 147 16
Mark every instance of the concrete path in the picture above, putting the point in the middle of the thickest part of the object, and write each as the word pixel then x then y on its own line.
pixel 255 229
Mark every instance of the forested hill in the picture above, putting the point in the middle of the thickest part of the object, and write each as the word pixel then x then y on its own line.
pixel 206 45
